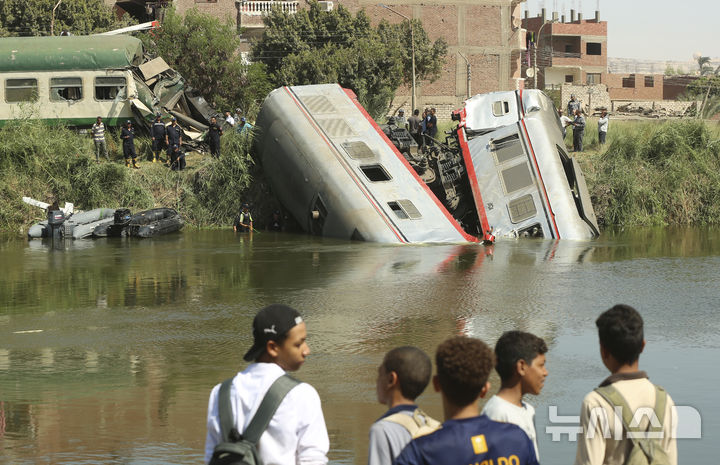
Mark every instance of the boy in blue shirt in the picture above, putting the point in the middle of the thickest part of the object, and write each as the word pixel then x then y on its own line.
pixel 466 437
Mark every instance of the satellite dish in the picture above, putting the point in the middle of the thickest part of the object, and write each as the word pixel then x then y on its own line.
pixel 530 72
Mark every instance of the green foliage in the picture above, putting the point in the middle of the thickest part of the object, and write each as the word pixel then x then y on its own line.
pixel 656 174
pixel 55 163
pixel 33 17
pixel 205 51
pixel 317 47
pixel 698 88
pixel 670 71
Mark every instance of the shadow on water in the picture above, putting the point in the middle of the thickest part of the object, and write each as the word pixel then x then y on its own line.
pixel 110 347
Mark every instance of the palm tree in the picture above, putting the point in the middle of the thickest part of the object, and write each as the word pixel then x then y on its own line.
pixel 704 65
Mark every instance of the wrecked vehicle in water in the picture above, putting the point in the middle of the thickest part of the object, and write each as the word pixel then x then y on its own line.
pixel 503 171
pixel 74 79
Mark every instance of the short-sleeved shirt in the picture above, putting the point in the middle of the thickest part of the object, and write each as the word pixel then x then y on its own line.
pixel 98 132
pixel 414 124
pixel 603 124
pixel 499 409
pixel 469 441
pixel 387 438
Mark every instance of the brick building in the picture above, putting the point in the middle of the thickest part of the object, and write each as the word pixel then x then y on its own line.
pixel 572 52
pixel 483 36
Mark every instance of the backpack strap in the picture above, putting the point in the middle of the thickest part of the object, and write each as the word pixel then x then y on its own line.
pixel 413 423
pixel 268 406
pixel 614 398
pixel 259 423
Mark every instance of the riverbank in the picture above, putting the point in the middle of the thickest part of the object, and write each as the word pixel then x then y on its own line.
pixel 648 173
pixel 57 163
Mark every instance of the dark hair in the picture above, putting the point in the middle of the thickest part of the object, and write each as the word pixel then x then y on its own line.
pixel 413 368
pixel 514 346
pixel 621 333
pixel 463 367
pixel 416 112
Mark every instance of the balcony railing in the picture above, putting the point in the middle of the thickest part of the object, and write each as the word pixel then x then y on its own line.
pixel 261 8
pixel 559 54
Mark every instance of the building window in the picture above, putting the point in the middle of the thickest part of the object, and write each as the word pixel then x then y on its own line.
pixel 649 81
pixel 65 88
pixel 593 78
pixel 21 90
pixel 593 48
pixel 569 48
pixel 629 81
pixel 569 78
pixel 109 88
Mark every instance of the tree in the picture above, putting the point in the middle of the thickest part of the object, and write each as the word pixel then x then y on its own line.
pixel 205 51
pixel 670 71
pixel 315 47
pixel 704 65
pixel 33 17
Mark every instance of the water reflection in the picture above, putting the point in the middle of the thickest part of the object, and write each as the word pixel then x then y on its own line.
pixel 109 348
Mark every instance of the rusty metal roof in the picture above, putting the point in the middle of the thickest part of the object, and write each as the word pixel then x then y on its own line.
pixel 69 53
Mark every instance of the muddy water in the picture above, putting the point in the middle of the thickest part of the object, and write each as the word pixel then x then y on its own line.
pixel 108 349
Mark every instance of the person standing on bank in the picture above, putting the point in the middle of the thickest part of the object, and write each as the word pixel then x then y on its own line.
pixel 214 133
pixel 603 124
pixel 98 135
pixel 578 131
pixel 173 140
pixel 414 125
pixel 573 105
pixel 158 137
pixel 297 433
pixel 128 137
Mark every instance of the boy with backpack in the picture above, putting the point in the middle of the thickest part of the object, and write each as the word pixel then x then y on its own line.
pixel 610 440
pixel 402 377
pixel 521 366
pixel 262 415
pixel 467 437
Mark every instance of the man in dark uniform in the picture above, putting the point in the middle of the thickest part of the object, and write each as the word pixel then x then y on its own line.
pixel 213 137
pixel 173 139
pixel 244 221
pixel 128 137
pixel 158 137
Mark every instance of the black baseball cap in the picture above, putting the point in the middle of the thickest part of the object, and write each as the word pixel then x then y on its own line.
pixel 270 324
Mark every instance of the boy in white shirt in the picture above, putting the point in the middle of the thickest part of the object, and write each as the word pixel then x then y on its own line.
pixel 521 366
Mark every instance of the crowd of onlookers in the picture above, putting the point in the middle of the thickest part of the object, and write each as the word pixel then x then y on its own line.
pixel 264 412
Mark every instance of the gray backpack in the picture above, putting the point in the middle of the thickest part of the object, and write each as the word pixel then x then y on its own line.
pixel 241 449
pixel 644 450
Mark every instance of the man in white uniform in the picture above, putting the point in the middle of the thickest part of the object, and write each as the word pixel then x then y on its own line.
pixel 297 433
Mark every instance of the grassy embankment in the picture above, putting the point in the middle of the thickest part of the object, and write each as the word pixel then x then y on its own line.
pixel 649 173
pixel 48 163
pixel 652 173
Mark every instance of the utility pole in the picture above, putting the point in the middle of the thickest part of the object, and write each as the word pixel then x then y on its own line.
pixel 52 20
pixel 467 63
pixel 412 46
pixel 537 44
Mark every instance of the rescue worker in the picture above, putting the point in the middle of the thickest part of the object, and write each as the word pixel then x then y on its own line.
pixel 244 221
pixel 173 139
pixel 213 137
pixel 244 127
pixel 158 137
pixel 128 137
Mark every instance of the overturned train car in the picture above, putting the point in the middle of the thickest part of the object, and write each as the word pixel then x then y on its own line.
pixel 342 175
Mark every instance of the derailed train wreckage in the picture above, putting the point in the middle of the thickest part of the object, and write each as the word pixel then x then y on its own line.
pixel 503 171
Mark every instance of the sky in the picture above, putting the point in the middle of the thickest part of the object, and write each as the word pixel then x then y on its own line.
pixel 649 29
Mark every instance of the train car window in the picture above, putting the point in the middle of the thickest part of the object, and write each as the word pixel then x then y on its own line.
pixel 500 108
pixel 375 173
pixel 405 209
pixel 21 90
pixel 516 178
pixel 109 87
pixel 66 88
pixel 358 150
pixel 507 148
pixel 522 208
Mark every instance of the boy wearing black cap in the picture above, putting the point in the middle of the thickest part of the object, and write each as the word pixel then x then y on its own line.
pixel 297 432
